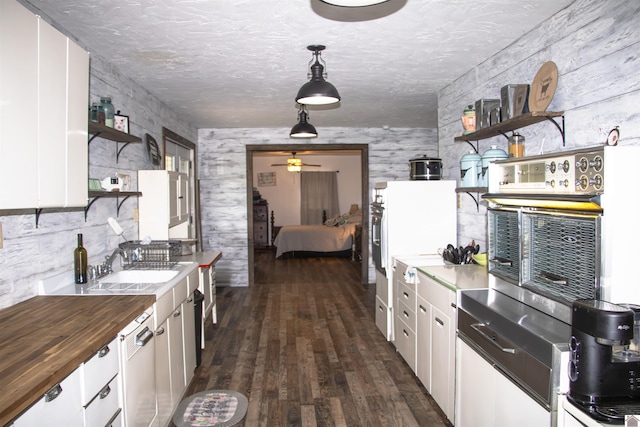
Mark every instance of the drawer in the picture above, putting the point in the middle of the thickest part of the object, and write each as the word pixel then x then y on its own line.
pixel 436 294
pixel 193 281
pixel 103 408
pixel 383 315
pixel 98 371
pixel 180 293
pixel 405 342
pixel 260 213
pixel 382 288
pixel 406 295
pixel 163 308
pixel 406 314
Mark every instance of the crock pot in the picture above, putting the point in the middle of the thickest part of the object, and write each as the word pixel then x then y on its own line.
pixel 425 168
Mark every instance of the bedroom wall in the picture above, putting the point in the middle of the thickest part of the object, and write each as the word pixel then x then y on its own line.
pixel 222 169
pixel 284 197
pixel 595 47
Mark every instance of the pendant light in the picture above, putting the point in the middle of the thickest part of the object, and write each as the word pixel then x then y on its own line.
pixel 353 3
pixel 303 129
pixel 317 91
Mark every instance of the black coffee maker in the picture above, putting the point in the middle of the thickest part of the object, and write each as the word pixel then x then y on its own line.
pixel 604 369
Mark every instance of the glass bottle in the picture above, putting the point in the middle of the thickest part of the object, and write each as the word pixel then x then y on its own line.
pixel 109 111
pixel 80 262
pixel 516 145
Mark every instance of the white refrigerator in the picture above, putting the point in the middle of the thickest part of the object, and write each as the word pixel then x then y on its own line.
pixel 417 218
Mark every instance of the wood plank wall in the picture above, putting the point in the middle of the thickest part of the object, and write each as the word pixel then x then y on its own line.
pixel 595 47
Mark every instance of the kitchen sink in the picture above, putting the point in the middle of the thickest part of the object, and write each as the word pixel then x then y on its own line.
pixel 140 276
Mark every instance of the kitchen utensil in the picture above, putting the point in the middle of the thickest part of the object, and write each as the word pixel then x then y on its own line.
pixel 425 168
pixel 480 259
pixel 116 228
pixel 543 87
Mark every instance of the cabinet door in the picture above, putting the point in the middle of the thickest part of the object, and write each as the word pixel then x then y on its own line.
pixel 163 374
pixel 423 342
pixel 176 356
pixel 19 89
pixel 486 398
pixel 189 339
pixel 442 371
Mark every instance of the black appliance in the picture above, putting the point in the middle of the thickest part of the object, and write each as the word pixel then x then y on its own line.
pixel 604 367
pixel 425 168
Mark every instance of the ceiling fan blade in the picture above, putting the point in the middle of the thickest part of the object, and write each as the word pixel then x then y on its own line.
pixel 315 166
pixel 279 164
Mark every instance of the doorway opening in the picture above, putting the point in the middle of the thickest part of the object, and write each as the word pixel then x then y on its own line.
pixel 321 149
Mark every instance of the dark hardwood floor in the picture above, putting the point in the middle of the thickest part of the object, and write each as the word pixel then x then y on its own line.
pixel 303 346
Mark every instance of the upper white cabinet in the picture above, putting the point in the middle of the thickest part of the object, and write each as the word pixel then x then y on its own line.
pixel 165 205
pixel 44 93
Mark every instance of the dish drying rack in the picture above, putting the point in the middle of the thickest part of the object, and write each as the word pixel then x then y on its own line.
pixel 157 254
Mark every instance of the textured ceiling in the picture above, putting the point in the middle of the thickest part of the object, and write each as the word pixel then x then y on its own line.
pixel 240 63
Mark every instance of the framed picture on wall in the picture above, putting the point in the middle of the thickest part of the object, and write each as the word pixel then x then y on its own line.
pixel 266 179
pixel 121 123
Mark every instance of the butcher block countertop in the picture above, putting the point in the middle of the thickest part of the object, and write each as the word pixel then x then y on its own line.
pixel 45 338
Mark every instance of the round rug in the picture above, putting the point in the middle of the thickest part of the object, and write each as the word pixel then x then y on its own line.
pixel 219 408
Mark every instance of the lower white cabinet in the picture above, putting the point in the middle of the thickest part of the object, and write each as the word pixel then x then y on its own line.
pixel 175 345
pixel 60 406
pixel 486 398
pixel 99 386
pixel 423 341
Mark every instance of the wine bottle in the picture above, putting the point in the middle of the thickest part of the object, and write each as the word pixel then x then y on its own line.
pixel 80 262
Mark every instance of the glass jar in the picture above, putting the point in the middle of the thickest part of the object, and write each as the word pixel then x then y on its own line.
pixel 516 145
pixel 109 111
pixel 93 112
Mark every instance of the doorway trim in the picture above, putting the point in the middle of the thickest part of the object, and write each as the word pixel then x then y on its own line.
pixel 364 168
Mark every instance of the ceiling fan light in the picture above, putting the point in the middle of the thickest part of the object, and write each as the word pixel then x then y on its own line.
pixel 353 3
pixel 317 91
pixel 294 165
pixel 303 129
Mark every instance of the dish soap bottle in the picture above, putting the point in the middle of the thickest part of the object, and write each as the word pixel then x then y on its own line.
pixel 80 262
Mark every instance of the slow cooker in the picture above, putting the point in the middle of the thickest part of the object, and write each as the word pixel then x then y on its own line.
pixel 425 168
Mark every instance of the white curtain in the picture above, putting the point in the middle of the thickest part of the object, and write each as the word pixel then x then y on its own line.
pixel 318 192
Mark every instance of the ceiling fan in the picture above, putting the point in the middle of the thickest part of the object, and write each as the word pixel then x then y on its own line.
pixel 294 164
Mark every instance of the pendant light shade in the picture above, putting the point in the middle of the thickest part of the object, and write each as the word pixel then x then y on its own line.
pixel 317 91
pixel 353 3
pixel 303 129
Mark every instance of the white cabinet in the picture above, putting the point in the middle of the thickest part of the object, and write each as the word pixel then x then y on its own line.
pixel 208 288
pixel 486 398
pixel 60 406
pixel 43 113
pixel 405 322
pixel 163 380
pixel 384 299
pixel 435 333
pixel 175 357
pixel 164 208
pixel 423 342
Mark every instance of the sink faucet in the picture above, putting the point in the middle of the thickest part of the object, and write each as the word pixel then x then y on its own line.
pixel 107 265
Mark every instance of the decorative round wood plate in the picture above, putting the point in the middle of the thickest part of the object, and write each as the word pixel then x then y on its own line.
pixel 543 87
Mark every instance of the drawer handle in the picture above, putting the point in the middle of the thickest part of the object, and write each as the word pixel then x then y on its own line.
pixel 160 331
pixel 380 308
pixel 424 310
pixel 406 295
pixel 479 327
pixel 176 313
pixel 144 337
pixel 189 299
pixel 405 313
pixel 439 321
pixel 105 392
pixel 53 394
pixel 453 305
pixel 405 333
pixel 103 351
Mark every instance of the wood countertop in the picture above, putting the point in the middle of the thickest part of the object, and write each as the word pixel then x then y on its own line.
pixel 45 338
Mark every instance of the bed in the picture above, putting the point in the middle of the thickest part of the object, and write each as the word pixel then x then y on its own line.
pixel 337 237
